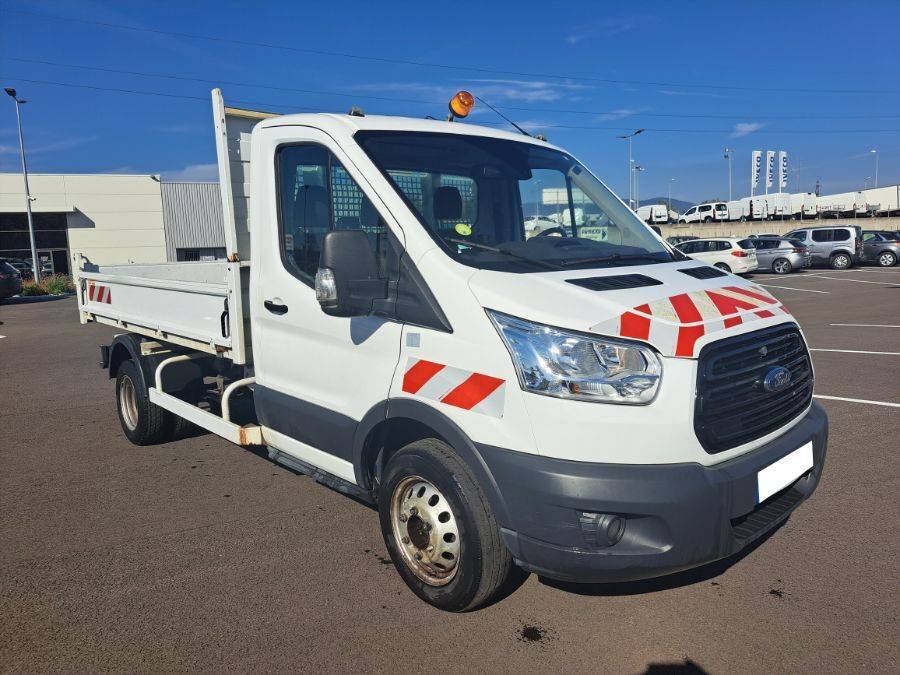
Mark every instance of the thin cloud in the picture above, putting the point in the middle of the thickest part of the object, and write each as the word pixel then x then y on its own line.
pixel 619 114
pixel 609 27
pixel 55 146
pixel 745 129
pixel 491 90
pixel 194 172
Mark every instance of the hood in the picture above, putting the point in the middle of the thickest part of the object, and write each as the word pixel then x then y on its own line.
pixel 674 311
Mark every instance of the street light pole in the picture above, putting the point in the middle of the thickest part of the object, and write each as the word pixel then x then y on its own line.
pixel 875 152
pixel 637 174
pixel 34 257
pixel 630 166
pixel 728 154
pixel 669 203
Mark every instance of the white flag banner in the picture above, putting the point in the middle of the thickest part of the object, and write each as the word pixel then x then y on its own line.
pixel 755 165
pixel 770 167
pixel 782 169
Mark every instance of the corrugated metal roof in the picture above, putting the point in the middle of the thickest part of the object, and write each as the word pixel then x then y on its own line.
pixel 192 214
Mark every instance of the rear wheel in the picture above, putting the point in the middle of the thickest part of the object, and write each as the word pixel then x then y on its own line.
pixel 887 259
pixel 840 261
pixel 439 529
pixel 782 266
pixel 143 422
pixel 723 267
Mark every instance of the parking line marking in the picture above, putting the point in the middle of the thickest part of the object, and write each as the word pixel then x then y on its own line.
pixel 859 281
pixel 864 325
pixel 855 351
pixel 789 288
pixel 857 400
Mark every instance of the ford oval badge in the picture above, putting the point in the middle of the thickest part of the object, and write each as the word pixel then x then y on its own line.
pixel 776 379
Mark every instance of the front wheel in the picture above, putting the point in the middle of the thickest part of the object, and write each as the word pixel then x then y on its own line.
pixel 439 529
pixel 887 259
pixel 782 266
pixel 841 261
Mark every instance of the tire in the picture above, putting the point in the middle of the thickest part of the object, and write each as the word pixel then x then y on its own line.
pixel 743 219
pixel 430 505
pixel 723 267
pixel 782 266
pixel 707 219
pixel 841 261
pixel 887 259
pixel 143 422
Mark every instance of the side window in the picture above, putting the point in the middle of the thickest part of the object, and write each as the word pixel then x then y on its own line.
pixel 870 236
pixel 723 245
pixel 688 247
pixel 691 210
pixel 706 207
pixel 841 235
pixel 316 195
pixel 822 235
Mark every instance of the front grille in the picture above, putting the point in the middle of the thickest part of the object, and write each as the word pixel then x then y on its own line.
pixel 732 407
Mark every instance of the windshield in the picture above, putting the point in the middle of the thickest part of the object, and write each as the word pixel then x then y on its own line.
pixel 508 206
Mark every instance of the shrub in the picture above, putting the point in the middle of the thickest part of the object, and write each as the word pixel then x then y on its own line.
pixel 57 284
pixel 31 288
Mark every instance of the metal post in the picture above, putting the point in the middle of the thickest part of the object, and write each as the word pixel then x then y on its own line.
pixel 728 153
pixel 34 257
pixel 875 152
pixel 669 202
pixel 630 177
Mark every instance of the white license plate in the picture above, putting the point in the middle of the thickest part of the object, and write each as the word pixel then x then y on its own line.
pixel 785 471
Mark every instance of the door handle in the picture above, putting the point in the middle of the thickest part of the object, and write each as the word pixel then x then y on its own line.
pixel 275 307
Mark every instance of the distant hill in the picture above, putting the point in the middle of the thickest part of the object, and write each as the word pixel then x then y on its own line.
pixel 677 204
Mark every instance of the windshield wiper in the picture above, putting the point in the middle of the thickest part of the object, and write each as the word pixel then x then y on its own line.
pixel 494 249
pixel 611 258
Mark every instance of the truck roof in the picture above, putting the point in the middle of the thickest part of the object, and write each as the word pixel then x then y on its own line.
pixel 350 124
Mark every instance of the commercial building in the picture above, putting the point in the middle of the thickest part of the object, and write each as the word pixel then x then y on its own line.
pixel 110 219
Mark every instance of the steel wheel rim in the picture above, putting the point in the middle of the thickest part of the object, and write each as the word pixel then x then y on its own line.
pixel 425 531
pixel 128 403
pixel 886 260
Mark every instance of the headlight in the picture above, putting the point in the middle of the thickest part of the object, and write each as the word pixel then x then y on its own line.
pixel 573 365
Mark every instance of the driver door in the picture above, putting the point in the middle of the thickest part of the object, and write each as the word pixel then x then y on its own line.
pixel 316 375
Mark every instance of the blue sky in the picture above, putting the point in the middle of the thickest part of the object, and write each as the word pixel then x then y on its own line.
pixel 698 76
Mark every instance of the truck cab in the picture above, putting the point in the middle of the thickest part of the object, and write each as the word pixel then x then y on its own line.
pixel 586 403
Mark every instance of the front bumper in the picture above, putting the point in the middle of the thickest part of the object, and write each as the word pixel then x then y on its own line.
pixel 677 516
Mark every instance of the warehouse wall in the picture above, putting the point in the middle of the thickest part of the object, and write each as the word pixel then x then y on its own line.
pixel 192 213
pixel 111 218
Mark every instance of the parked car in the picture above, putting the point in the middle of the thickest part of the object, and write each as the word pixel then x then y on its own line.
pixel 838 246
pixel 882 248
pixel 781 255
pixel 675 240
pixel 705 213
pixel 23 267
pixel 10 281
pixel 727 253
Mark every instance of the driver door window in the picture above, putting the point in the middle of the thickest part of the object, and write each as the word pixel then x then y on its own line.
pixel 316 195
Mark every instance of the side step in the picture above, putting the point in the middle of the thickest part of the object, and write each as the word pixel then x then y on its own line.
pixel 248 435
pixel 323 477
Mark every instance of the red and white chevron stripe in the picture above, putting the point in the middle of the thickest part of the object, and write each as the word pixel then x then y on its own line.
pixel 99 293
pixel 676 323
pixel 453 386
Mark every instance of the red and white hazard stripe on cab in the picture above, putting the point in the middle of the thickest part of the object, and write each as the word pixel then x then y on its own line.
pixel 676 323
pixel 453 386
pixel 99 293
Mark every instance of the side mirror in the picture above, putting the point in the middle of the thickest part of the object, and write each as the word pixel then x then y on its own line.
pixel 347 282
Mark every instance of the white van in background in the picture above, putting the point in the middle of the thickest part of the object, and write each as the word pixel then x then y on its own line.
pixel 803 206
pixel 653 214
pixel 739 209
pixel 779 205
pixel 705 213
pixel 757 207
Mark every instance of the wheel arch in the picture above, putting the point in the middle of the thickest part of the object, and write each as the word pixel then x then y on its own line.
pixel 392 424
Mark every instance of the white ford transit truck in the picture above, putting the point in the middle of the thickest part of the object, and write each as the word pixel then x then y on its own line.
pixel 588 404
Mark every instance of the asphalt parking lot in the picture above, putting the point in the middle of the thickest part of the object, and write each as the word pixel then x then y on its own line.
pixel 200 555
